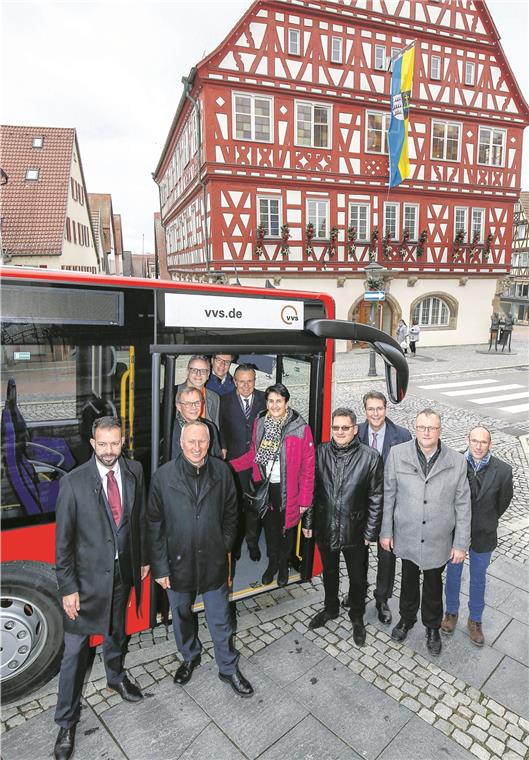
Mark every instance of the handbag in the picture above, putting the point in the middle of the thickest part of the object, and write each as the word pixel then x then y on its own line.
pixel 257 494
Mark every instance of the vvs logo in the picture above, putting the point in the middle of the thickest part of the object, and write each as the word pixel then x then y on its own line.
pixel 289 314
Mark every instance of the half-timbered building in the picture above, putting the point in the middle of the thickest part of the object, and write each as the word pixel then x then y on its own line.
pixel 275 166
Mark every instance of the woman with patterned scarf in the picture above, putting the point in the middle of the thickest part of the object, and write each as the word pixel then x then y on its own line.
pixel 281 447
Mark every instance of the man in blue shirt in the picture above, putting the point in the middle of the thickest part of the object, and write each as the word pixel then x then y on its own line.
pixel 220 379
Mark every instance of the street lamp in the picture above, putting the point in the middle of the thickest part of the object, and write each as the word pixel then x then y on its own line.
pixel 374 281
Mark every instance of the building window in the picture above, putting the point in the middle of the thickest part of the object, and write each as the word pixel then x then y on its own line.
pixel 359 219
pixel 435 67
pixel 312 125
pixel 32 174
pixel 445 140
pixel 253 117
pixel 38 142
pixel 469 73
pixel 394 51
pixel 391 220
pixel 432 312
pixel 377 132
pixel 294 46
pixel 410 220
pixel 318 215
pixel 336 49
pixel 270 215
pixel 68 229
pixel 380 58
pixel 478 224
pixel 491 146
pixel 461 222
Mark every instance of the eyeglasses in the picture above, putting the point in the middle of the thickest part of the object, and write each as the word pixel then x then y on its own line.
pixel 226 362
pixel 196 371
pixel 190 403
pixel 338 428
pixel 426 428
pixel 375 408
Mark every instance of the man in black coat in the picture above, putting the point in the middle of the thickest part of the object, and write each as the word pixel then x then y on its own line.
pixel 188 403
pixel 192 522
pixel 100 554
pixel 491 491
pixel 379 432
pixel 347 514
pixel 238 411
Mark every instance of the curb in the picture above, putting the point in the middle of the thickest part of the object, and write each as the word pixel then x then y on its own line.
pixel 429 374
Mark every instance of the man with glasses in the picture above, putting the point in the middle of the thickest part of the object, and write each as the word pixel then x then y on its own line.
pixel 346 514
pixel 220 379
pixel 426 522
pixel 188 404
pixel 198 369
pixel 381 433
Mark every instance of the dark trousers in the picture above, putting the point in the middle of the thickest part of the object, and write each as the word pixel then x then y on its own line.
pixel 279 541
pixel 248 523
pixel 185 626
pixel 385 574
pixel 76 653
pixel 356 563
pixel 431 602
pixel 412 347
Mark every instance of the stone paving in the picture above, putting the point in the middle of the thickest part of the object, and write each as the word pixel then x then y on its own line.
pixel 401 702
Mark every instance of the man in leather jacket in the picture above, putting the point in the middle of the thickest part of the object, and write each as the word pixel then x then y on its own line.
pixel 346 516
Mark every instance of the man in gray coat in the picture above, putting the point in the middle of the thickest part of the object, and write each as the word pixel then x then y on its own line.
pixel 426 522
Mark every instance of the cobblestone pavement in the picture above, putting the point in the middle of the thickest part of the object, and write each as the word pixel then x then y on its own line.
pixel 466 703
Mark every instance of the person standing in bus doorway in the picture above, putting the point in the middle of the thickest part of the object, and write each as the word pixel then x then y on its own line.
pixel 198 369
pixel 220 379
pixel 238 411
pixel 101 553
pixel 188 403
pixel 282 450
pixel 413 336
pixel 347 514
pixel 192 523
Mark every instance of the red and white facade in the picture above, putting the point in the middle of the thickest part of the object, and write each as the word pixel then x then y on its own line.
pixel 284 124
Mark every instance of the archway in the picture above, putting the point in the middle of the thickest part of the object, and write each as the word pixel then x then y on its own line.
pixel 387 315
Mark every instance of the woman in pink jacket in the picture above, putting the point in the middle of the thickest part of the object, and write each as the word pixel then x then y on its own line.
pixel 281 447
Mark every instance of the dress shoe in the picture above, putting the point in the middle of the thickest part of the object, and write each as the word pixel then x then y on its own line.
pixel 271 570
pixel 65 743
pixel 255 553
pixel 384 613
pixel 282 574
pixel 359 632
pixel 238 683
pixel 475 632
pixel 433 641
pixel 320 619
pixel 400 631
pixel 449 623
pixel 127 690
pixel 185 671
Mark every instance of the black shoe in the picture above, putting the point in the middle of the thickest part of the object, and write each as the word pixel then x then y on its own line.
pixel 255 553
pixel 185 671
pixel 271 570
pixel 282 575
pixel 384 613
pixel 345 602
pixel 127 690
pixel 359 632
pixel 433 641
pixel 238 683
pixel 320 619
pixel 65 743
pixel 400 631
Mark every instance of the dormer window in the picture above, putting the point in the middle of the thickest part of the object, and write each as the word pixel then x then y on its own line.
pixel 32 174
pixel 38 142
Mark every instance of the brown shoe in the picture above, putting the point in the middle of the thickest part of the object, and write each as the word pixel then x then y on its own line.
pixel 449 623
pixel 475 633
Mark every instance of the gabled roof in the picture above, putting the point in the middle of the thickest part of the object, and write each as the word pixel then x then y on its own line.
pixel 118 234
pixel 102 202
pixel 524 200
pixel 34 211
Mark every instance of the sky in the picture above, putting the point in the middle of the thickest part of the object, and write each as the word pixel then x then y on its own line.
pixel 113 71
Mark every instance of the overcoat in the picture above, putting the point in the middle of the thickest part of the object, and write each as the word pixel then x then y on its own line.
pixel 85 545
pixel 212 402
pixel 491 492
pixel 426 515
pixel 189 538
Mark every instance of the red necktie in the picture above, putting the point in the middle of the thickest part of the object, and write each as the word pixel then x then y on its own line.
pixel 114 499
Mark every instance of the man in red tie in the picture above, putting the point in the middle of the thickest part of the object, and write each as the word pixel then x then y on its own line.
pixel 100 555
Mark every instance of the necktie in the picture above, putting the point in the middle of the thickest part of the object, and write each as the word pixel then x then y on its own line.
pixel 374 441
pixel 246 408
pixel 114 499
pixel 203 402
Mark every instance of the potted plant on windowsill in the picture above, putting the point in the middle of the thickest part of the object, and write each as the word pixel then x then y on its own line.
pixel 486 248
pixel 309 234
pixel 260 233
pixel 372 250
pixel 333 238
pixel 403 244
pixel 386 246
pixel 458 242
pixel 423 237
pixel 285 236
pixel 351 239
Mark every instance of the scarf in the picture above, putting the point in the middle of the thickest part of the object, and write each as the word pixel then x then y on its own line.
pixel 271 440
pixel 477 466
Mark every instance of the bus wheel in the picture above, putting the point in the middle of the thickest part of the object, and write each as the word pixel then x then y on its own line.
pixel 31 627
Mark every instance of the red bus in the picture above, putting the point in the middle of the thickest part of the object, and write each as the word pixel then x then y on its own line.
pixel 76 347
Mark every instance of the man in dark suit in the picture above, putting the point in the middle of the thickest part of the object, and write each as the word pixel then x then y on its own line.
pixel 381 433
pixel 238 411
pixel 100 555
pixel 188 404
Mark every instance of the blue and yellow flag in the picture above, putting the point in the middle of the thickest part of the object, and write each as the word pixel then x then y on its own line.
pixel 401 84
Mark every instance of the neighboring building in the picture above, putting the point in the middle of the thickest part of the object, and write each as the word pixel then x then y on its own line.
pixel 45 218
pixel 515 299
pixel 101 203
pixel 160 250
pixel 285 123
pixel 119 243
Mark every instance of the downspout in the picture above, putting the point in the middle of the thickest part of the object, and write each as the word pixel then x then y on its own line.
pixel 196 108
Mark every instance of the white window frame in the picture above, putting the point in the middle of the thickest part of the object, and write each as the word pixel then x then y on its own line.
pixel 414 233
pixel 385 128
pixel 253 97
pixel 314 217
pixel 355 223
pixel 38 142
pixel 446 124
pixel 32 174
pixel 470 73
pixel 433 73
pixel 294 42
pixel 313 105
pixel 492 131
pixel 481 212
pixel 464 209
pixel 396 206
pixel 393 51
pixel 379 57
pixel 269 198
pixel 418 311
pixel 336 54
